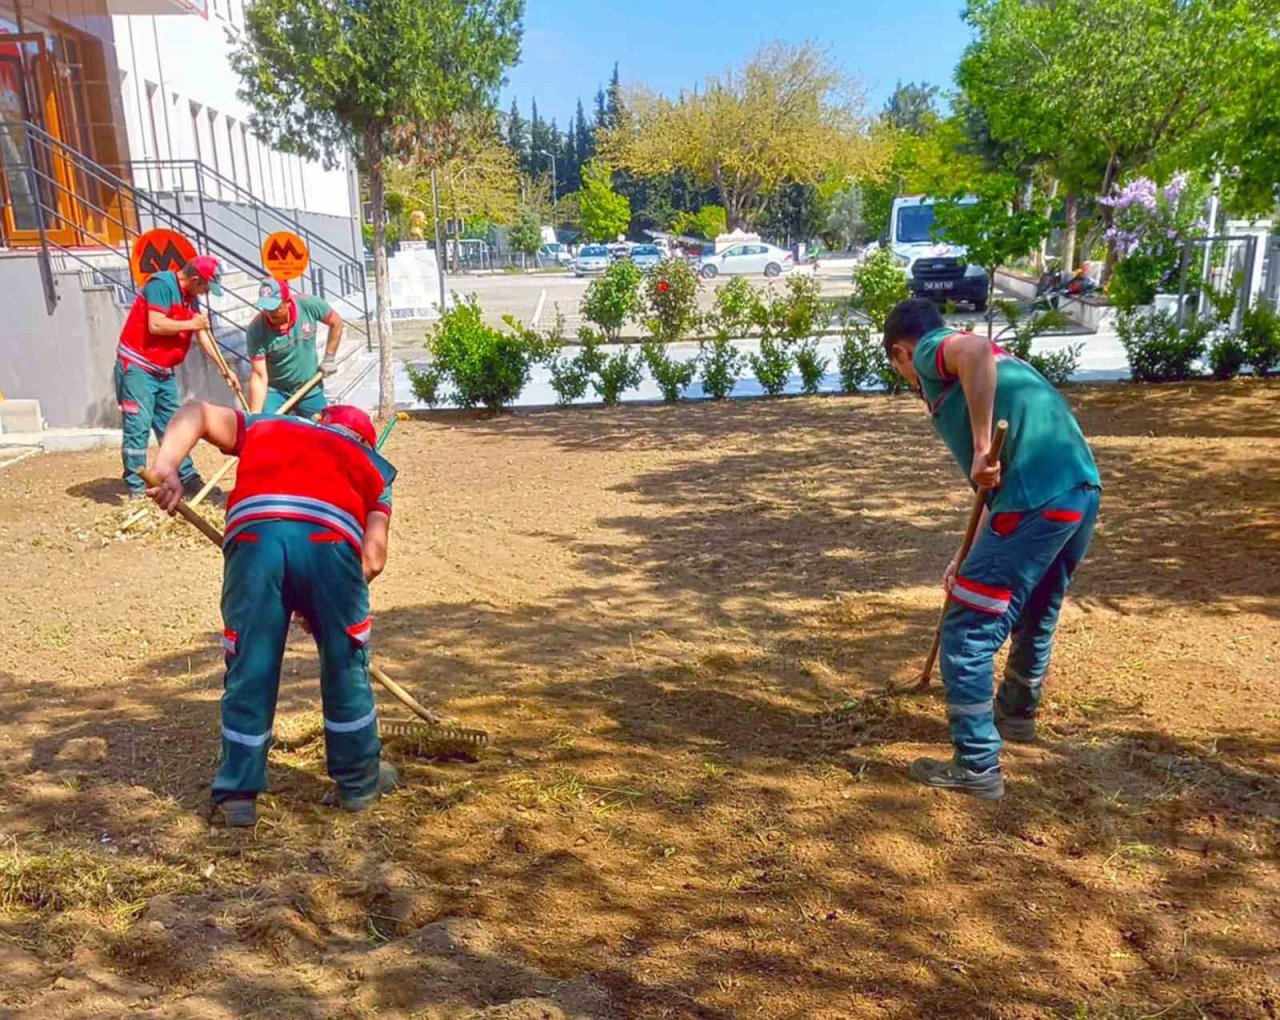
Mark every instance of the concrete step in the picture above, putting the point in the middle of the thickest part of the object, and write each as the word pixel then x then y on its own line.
pixel 20 416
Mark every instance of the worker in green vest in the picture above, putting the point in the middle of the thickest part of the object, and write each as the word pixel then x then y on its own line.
pixel 281 343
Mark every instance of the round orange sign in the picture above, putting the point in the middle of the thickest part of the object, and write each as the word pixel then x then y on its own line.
pixel 159 250
pixel 285 255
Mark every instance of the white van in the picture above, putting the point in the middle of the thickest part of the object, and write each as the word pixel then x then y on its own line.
pixel 935 268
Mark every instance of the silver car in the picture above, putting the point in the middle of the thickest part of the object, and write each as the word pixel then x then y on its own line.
pixel 646 256
pixel 747 259
pixel 592 258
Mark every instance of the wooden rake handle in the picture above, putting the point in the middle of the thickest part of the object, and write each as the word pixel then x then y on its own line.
pixel 210 532
pixel 285 408
pixel 970 533
pixel 405 698
pixel 224 368
pixel 215 536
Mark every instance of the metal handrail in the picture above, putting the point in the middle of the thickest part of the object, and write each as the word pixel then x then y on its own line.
pixel 346 264
pixel 123 189
pixel 243 194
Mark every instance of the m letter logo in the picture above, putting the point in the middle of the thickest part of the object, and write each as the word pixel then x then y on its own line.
pixel 285 256
pixel 157 251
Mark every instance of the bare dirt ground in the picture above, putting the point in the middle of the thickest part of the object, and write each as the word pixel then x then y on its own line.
pixel 659 613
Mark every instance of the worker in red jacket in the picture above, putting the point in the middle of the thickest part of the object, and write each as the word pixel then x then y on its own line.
pixel 155 340
pixel 306 532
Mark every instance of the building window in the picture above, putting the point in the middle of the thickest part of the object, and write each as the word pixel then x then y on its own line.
pixel 231 149
pixel 244 152
pixel 195 132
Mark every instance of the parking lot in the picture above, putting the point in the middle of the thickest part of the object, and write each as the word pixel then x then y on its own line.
pixel 535 298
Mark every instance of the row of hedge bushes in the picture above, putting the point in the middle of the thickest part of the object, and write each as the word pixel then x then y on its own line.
pixel 1159 350
pixel 476 365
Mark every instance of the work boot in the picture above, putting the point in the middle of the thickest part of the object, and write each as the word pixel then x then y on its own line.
pixel 947 775
pixel 388 780
pixel 1016 729
pixel 239 812
pixel 191 486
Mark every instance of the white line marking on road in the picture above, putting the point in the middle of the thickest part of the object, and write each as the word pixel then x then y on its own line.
pixel 537 312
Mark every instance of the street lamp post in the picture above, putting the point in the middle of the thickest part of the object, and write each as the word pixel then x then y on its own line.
pixel 551 156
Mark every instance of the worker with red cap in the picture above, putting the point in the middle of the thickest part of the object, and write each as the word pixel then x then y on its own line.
pixel 306 532
pixel 155 340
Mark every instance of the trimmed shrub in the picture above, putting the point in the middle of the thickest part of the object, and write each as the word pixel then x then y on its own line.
pixel 1260 332
pixel 772 365
pixel 671 300
pixel 484 366
pixel 795 314
pixel 738 309
pixel 672 375
pixel 719 362
pixel 1158 351
pixel 879 283
pixel 1227 355
pixel 811 366
pixel 861 360
pixel 612 299
pixel 618 372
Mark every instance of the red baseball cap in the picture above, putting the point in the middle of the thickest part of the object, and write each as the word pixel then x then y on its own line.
pixel 352 419
pixel 209 270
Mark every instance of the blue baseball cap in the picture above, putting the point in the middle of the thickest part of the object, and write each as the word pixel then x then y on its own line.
pixel 270 295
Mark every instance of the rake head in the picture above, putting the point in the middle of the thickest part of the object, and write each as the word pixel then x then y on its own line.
pixel 429 740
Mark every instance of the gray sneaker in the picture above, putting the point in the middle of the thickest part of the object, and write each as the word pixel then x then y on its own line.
pixel 947 775
pixel 388 780
pixel 1016 730
pixel 239 812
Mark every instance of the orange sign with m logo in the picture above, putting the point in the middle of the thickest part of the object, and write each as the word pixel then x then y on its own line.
pixel 159 250
pixel 285 255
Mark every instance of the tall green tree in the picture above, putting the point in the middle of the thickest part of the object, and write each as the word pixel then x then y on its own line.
pixel 326 77
pixel 605 213
pixel 584 141
pixel 516 134
pixel 1098 89
pixel 912 107
pixel 787 116
pixel 991 230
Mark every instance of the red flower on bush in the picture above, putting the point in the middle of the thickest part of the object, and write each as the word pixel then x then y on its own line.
pixel 663 286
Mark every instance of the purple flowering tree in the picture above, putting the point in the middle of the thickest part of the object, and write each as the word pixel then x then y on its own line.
pixel 1148 225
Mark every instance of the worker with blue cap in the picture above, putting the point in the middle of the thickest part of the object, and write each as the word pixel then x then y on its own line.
pixel 281 342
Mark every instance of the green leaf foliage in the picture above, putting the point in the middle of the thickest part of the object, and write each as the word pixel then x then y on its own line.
pixel 610 300
pixel 486 367
pixel 605 214
pixel 324 77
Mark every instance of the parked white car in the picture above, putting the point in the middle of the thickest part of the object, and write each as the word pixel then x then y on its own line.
pixel 555 252
pixel 592 259
pixel 745 260
pixel 646 256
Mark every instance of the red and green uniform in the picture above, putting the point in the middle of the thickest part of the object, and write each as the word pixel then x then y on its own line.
pixel 290 353
pixel 145 387
pixel 1016 576
pixel 294 532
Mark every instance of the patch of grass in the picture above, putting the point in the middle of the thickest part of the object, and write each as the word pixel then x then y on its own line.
pixel 572 791
pixel 59 635
pixel 34 886
pixel 1130 857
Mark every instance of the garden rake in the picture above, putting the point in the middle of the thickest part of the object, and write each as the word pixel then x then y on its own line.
pixel 970 533
pixel 434 737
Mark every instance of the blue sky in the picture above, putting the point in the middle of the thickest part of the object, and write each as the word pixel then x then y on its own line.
pixel 570 45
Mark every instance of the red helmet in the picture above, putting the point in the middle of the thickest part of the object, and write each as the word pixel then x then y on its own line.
pixel 350 418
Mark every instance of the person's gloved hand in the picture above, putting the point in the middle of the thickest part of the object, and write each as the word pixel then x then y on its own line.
pixel 329 366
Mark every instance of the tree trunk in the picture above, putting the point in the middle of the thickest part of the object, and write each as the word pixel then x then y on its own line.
pixel 1071 209
pixel 1042 252
pixel 381 276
